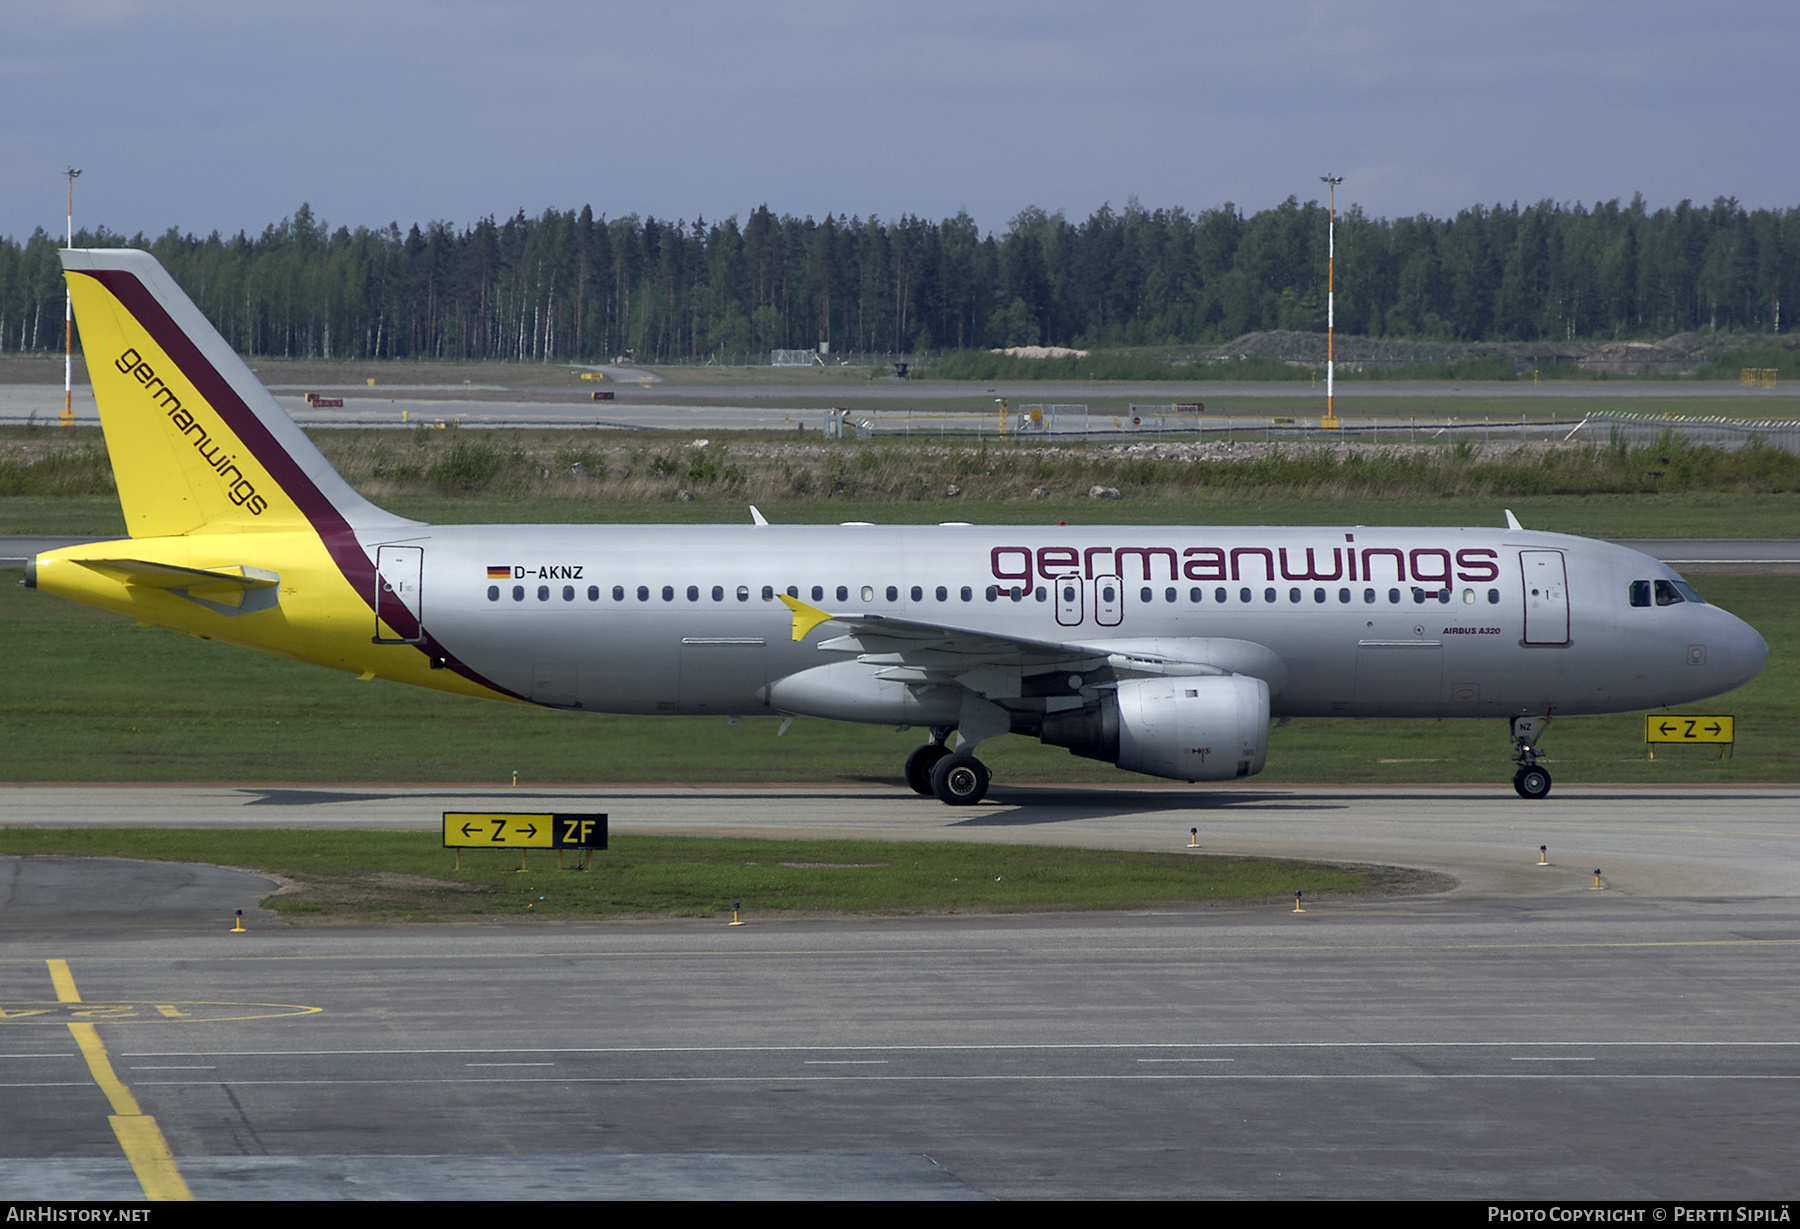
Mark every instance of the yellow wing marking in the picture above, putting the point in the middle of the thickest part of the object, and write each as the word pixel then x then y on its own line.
pixel 805 617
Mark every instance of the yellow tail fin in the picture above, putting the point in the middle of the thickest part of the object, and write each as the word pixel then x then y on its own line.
pixel 197 443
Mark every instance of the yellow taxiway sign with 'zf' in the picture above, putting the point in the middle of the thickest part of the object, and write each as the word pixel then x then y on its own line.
pixel 1688 729
pixel 474 829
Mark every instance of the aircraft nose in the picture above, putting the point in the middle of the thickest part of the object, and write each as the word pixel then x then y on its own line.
pixel 1746 652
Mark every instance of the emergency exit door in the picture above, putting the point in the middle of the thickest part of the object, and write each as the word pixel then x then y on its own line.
pixel 1070 600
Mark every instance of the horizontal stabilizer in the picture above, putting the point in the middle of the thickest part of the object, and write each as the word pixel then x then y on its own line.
pixel 149 575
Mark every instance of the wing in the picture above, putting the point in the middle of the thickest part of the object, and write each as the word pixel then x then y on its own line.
pixel 1001 667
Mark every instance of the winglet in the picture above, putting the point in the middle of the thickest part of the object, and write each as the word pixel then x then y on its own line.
pixel 805 617
pixel 757 518
pixel 1512 522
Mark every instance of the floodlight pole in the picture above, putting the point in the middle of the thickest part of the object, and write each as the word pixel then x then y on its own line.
pixel 1331 297
pixel 68 414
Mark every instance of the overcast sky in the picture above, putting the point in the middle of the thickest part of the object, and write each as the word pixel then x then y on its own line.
pixel 206 114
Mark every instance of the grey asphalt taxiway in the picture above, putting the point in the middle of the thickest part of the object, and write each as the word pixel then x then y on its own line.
pixel 1524 1033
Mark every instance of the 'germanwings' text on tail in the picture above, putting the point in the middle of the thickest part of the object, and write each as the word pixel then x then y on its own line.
pixel 1164 650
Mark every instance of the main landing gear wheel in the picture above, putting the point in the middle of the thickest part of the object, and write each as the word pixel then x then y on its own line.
pixel 919 765
pixel 1532 782
pixel 960 780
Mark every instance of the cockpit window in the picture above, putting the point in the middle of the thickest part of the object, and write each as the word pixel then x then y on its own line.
pixel 1663 593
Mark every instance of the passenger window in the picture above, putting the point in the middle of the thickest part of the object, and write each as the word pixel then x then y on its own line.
pixel 1368 597
pixel 1293 595
pixel 943 594
pixel 1243 595
pixel 1393 597
pixel 768 593
pixel 843 593
pixel 1168 595
pixel 668 593
pixel 518 593
pixel 968 594
pixel 1318 595
pixel 1344 596
pixel 1144 594
pixel 1269 595
pixel 493 593
pixel 568 593
pixel 868 593
pixel 794 591
pixel 543 593
pixel 1041 595
pixel 818 593
pixel 743 593
pixel 593 593
pixel 718 593
pixel 693 593
pixel 918 594
pixel 1194 594
pixel 992 593
pixel 1218 595
pixel 1493 597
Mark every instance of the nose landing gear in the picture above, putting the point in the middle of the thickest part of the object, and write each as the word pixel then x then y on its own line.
pixel 1531 781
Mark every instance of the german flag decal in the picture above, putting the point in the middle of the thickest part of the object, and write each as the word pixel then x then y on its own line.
pixel 500 573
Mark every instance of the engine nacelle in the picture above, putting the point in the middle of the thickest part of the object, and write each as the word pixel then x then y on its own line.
pixel 1205 728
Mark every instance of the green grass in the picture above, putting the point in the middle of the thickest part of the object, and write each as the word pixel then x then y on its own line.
pixel 369 876
pixel 92 697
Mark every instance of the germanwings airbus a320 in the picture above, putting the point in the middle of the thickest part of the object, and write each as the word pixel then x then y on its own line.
pixel 1166 651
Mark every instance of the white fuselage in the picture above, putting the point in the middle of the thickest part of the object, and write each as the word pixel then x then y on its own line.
pixel 1356 622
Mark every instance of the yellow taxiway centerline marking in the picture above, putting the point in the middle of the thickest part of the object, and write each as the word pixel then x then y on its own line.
pixel 137 1131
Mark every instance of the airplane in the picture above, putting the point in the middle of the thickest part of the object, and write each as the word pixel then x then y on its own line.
pixel 1167 651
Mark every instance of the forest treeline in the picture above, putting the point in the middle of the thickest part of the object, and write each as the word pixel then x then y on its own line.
pixel 570 285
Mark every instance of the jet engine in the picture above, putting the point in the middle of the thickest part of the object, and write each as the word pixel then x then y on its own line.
pixel 1206 728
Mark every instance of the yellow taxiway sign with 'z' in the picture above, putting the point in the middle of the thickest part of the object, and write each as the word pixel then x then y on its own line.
pixel 1687 728
pixel 477 829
